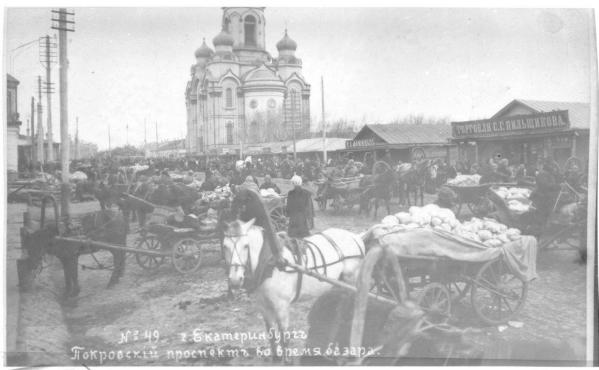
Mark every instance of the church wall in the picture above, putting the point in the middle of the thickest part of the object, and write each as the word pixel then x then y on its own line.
pixel 264 116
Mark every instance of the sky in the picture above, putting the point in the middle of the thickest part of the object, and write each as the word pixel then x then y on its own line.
pixel 127 65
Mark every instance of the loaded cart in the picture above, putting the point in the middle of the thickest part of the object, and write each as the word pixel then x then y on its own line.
pixel 439 268
pixel 171 234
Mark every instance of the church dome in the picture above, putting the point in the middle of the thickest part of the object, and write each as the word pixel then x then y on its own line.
pixel 204 51
pixel 223 38
pixel 286 43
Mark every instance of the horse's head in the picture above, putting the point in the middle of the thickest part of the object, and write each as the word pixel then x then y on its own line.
pixel 242 244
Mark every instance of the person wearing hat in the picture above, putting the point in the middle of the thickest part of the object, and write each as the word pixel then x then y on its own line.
pixel 299 210
pixel 269 184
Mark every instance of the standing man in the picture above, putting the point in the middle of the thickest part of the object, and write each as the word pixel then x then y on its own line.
pixel 299 210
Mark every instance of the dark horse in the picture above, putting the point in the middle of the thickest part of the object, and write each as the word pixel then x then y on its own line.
pixel 104 226
pixel 379 186
pixel 413 177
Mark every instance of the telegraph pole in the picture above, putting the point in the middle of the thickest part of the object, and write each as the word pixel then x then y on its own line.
pixel 293 125
pixel 47 57
pixel 77 138
pixel 324 125
pixel 49 153
pixel 33 156
pixel 145 138
pixel 63 26
pixel 127 135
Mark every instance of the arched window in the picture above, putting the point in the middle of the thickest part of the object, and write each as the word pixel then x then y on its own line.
pixel 249 28
pixel 229 97
pixel 230 133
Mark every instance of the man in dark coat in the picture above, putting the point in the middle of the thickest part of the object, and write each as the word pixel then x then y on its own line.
pixel 546 191
pixel 299 210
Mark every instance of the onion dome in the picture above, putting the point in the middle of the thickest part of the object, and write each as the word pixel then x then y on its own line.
pixel 204 51
pixel 286 43
pixel 223 38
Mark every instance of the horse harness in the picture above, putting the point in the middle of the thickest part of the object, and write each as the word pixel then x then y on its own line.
pixel 299 248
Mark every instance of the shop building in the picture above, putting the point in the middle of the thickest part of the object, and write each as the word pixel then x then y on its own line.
pixel 526 131
pixel 405 142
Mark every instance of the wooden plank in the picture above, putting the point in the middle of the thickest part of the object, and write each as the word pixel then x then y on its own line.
pixel 80 242
pixel 337 283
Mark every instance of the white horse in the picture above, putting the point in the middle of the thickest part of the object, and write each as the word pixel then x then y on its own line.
pixel 334 253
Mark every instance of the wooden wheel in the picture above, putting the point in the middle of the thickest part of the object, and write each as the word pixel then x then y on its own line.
pixel 149 262
pixel 279 219
pixel 187 255
pixel 435 301
pixel 497 295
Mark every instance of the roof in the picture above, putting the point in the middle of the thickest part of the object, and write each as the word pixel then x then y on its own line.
pixel 409 134
pixel 579 113
pixel 11 78
pixel 171 145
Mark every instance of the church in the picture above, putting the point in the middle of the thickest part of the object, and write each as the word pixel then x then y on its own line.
pixel 239 94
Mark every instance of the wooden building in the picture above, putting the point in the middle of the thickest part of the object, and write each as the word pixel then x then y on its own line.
pixel 525 131
pixel 405 142
pixel 13 125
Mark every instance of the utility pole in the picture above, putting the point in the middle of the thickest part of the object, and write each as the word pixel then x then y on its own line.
pixel 293 124
pixel 47 57
pixel 63 26
pixel 156 147
pixel 33 156
pixel 324 125
pixel 127 134
pixel 40 155
pixel 145 138
pixel 77 138
pixel 47 155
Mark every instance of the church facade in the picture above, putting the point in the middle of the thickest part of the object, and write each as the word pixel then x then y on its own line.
pixel 238 94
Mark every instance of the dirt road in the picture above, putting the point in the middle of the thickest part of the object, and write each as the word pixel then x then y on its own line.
pixel 166 318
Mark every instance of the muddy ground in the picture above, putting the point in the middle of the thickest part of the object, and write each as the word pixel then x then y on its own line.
pixel 152 316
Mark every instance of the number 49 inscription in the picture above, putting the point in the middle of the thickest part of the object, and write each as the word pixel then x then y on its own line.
pixel 152 336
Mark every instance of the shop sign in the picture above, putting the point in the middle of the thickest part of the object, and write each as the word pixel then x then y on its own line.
pixel 359 143
pixel 515 125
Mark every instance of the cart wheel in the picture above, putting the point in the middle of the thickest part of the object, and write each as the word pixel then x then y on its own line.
pixel 149 262
pixel 187 255
pixel 279 219
pixel 435 301
pixel 458 290
pixel 497 295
